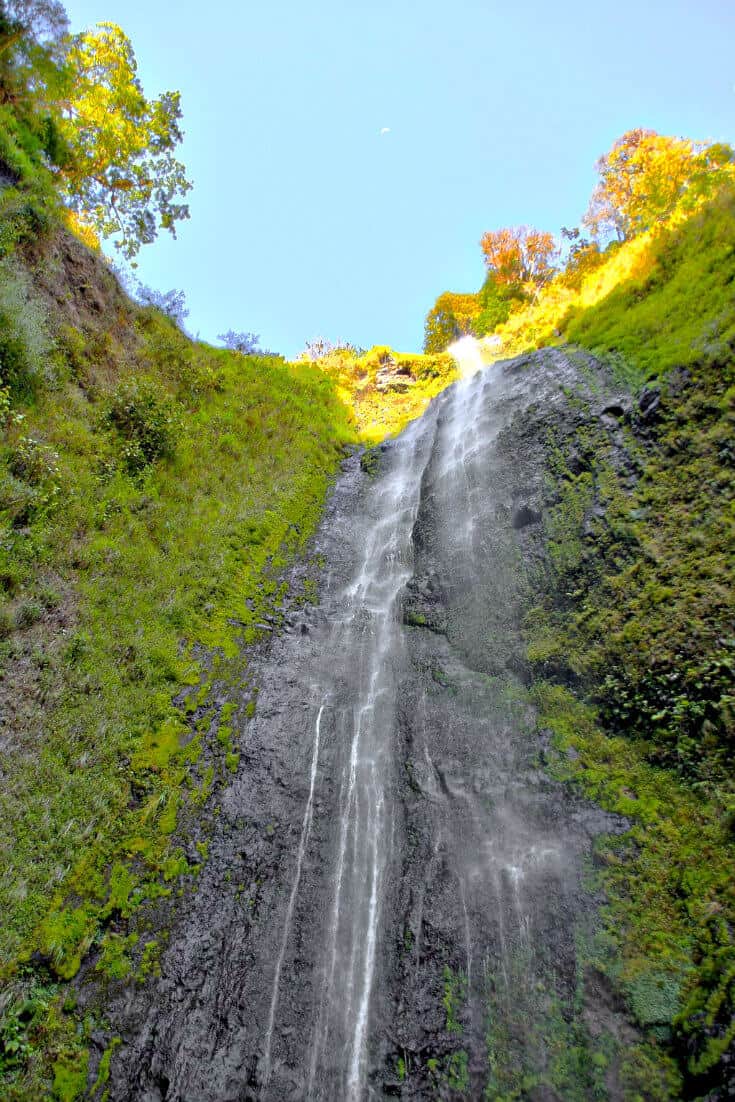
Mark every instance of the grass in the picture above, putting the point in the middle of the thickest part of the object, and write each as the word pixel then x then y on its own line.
pixel 181 553
pixel 678 309
pixel 630 636
pixel 383 411
pixel 659 300
pixel 152 493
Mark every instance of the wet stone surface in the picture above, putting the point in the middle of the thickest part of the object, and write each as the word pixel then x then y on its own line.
pixel 394 898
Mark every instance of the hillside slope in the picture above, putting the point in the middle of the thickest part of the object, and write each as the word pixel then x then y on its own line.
pixel 633 616
pixel 152 491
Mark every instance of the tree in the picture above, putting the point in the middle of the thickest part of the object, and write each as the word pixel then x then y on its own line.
pixel 582 257
pixel 643 177
pixel 39 20
pixel 32 34
pixel 246 343
pixel 171 303
pixel 121 174
pixel 496 300
pixel 520 256
pixel 27 26
pixel 451 317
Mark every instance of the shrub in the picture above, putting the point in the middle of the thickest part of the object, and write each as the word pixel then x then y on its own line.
pixel 246 343
pixel 171 303
pixel 28 614
pixel 144 416
pixel 25 347
pixel 33 462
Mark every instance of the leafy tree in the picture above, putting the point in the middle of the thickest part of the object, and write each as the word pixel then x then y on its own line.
pixel 452 316
pixel 643 177
pixel 496 300
pixel 121 175
pixel 39 20
pixel 582 257
pixel 171 303
pixel 27 28
pixel 246 343
pixel 31 66
pixel 520 256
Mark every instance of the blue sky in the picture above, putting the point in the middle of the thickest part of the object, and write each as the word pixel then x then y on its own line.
pixel 306 220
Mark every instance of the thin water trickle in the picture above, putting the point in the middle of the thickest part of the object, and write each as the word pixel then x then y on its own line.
pixel 305 831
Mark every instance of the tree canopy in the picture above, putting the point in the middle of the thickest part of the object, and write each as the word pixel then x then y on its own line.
pixel 643 177
pixel 518 255
pixel 451 317
pixel 121 175
pixel 111 148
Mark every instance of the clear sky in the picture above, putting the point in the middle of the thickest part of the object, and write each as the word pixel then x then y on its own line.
pixel 306 220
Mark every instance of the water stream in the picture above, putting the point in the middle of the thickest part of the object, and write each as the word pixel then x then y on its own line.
pixel 409 888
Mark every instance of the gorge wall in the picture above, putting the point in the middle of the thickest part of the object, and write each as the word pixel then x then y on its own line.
pixel 399 899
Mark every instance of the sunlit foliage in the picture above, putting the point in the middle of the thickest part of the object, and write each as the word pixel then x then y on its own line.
pixel 452 316
pixel 520 255
pixel 644 176
pixel 648 182
pixel 122 172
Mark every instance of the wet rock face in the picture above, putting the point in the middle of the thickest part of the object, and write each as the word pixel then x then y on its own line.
pixel 393 901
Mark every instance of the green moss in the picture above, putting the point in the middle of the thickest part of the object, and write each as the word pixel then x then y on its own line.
pixel 455 996
pixel 70 1076
pixel 150 961
pixel 122 882
pixel 224 735
pixel 370 461
pixel 635 609
pixel 115 962
pixel 103 1072
pixel 457 1071
pixel 64 937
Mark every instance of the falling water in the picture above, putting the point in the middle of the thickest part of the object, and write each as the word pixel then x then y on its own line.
pixel 305 830
pixel 368 641
pixel 390 827
pixel 467 352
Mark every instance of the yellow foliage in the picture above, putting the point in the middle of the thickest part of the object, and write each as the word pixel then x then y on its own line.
pixel 542 321
pixel 81 229
pixel 381 409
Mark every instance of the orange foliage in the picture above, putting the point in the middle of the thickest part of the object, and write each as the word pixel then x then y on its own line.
pixel 645 175
pixel 520 255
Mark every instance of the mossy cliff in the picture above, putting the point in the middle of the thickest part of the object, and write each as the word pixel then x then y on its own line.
pixel 630 636
pixel 152 491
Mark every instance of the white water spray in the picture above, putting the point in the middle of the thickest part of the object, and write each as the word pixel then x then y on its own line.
pixel 467 352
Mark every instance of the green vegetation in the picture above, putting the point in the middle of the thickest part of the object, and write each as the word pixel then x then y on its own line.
pixel 635 611
pixel 384 389
pixel 152 492
pixel 648 183
pixel 455 996
pixel 149 553
pixel 680 311
pixel 76 102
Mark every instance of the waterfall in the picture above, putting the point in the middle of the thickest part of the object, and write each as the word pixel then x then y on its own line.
pixel 394 898
pixel 467 352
